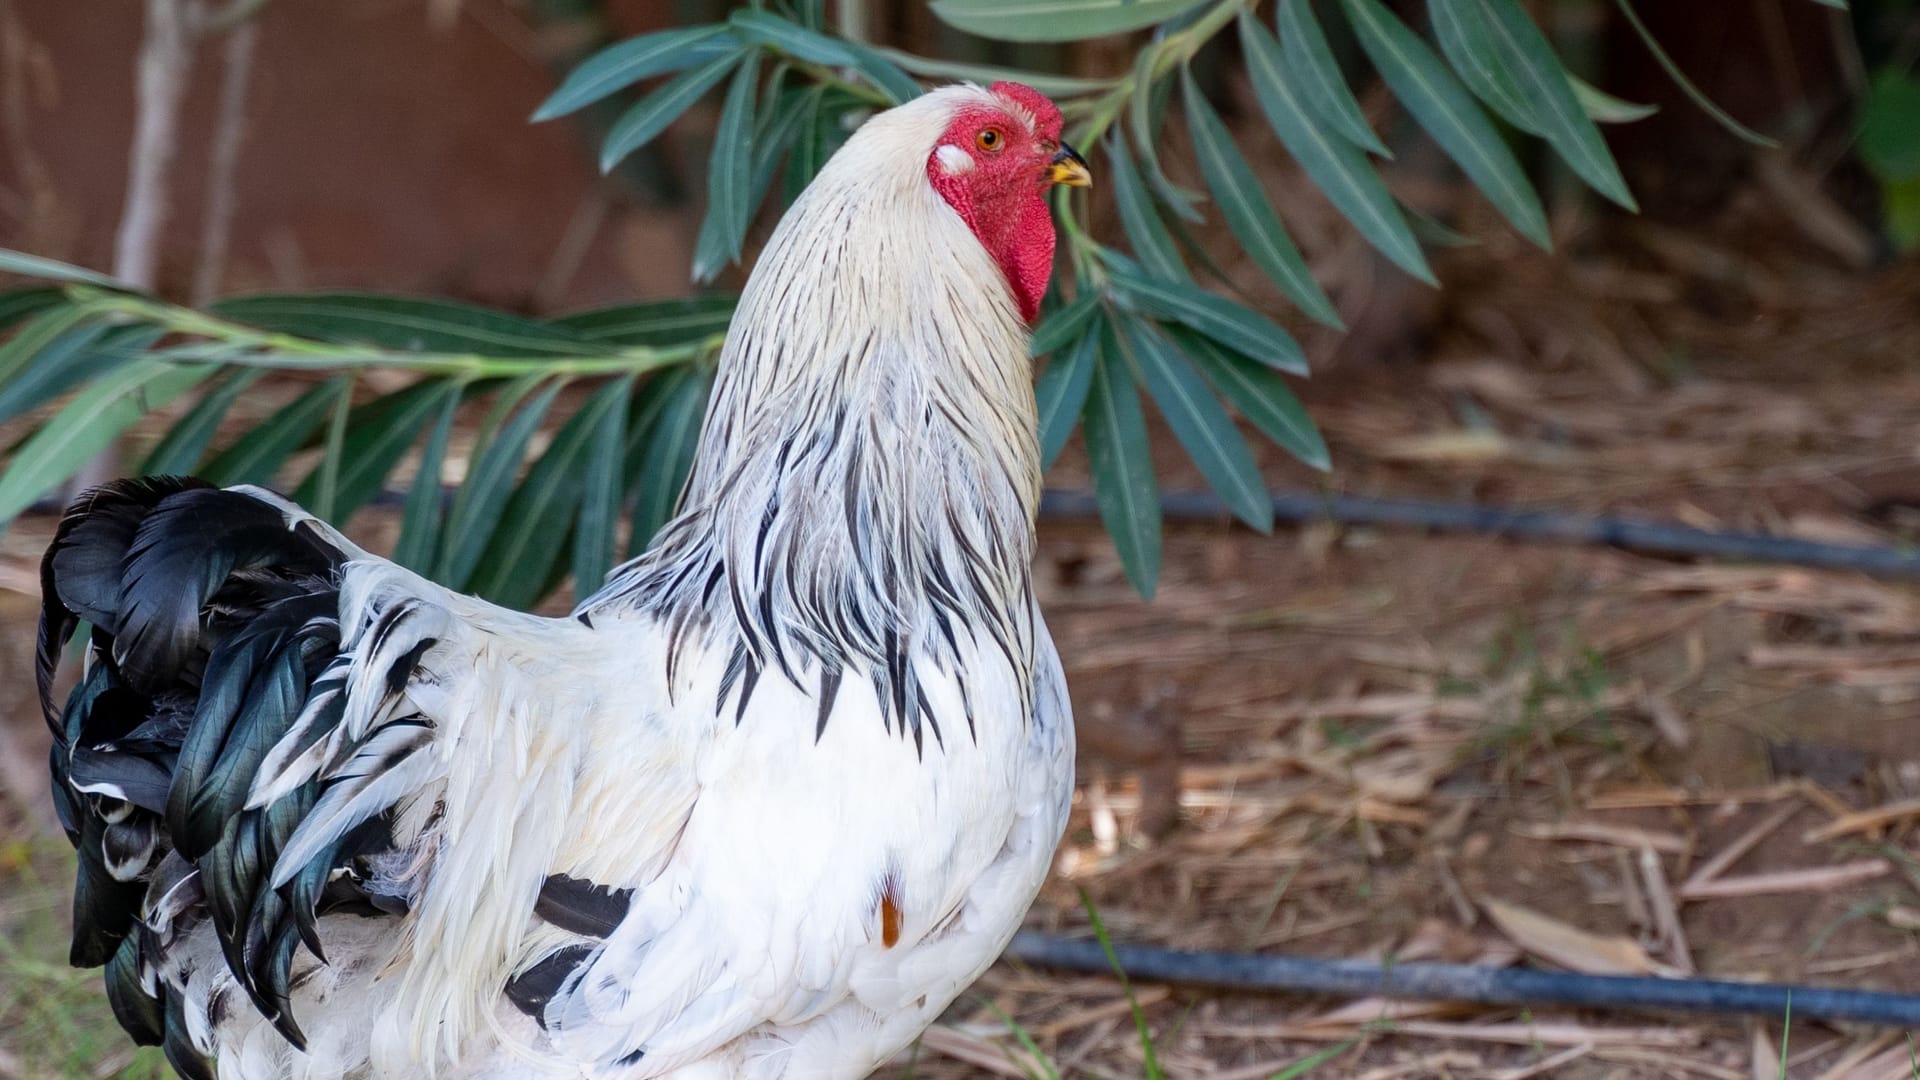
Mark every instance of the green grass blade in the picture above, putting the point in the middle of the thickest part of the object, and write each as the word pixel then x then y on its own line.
pixel 1152 1063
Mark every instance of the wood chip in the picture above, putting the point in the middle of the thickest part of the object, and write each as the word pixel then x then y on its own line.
pixel 1666 914
pixel 1546 1065
pixel 1567 945
pixel 1811 879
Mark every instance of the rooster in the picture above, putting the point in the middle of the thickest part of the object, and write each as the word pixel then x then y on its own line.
pixel 761 807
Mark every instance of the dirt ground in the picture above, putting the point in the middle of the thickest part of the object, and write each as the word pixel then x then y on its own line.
pixel 1344 742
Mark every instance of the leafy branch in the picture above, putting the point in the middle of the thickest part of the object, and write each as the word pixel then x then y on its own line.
pixel 1121 319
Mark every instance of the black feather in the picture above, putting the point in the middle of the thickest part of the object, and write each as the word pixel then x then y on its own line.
pixel 189 1062
pixel 142 1015
pixel 579 906
pixel 532 989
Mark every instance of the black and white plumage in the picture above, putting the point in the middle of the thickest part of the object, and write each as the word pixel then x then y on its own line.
pixel 761 808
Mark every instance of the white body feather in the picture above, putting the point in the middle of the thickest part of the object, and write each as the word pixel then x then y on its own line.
pixel 810 884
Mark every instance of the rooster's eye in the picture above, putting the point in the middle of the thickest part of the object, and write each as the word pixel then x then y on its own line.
pixel 990 140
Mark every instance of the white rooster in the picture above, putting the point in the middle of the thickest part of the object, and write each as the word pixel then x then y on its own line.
pixel 760 808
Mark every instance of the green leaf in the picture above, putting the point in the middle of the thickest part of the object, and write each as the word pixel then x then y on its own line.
pixel 1223 320
pixel 1313 1061
pixel 1604 108
pixel 1518 46
pixel 1304 44
pixel 619 66
pixel 1260 396
pixel 1063 324
pixel 730 172
pixel 257 455
pixel 656 323
pixel 1148 235
pixel 420 517
pixel 185 443
pixel 1054 86
pixel 819 136
pixel 1199 423
pixel 1145 108
pixel 327 488
pixel 1248 213
pixel 802 44
pixel 34 266
pixel 1442 106
pixel 1467 40
pixel 380 433
pixel 392 322
pixel 18 304
pixel 1889 143
pixel 525 546
pixel 601 489
pixel 651 114
pixel 489 484
pixel 1055 20
pixel 1122 463
pixel 667 457
pixel 1337 166
pixel 67 361
pixel 40 334
pixel 1061 393
pixel 780 121
pixel 88 425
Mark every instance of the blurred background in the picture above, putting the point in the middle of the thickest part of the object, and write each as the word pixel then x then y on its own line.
pixel 1336 740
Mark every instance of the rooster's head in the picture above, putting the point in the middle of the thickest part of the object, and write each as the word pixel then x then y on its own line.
pixel 993 165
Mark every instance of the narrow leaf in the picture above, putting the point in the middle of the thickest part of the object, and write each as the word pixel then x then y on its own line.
pixel 1260 396
pixel 1304 44
pixel 88 425
pixel 1467 41
pixel 527 542
pixel 1604 107
pixel 18 304
pixel 67 361
pixel 1054 86
pixel 257 455
pixel 1223 320
pixel 1122 463
pixel 1442 106
pixel 1063 324
pixel 780 121
pixel 730 172
pixel 1148 235
pixel 1248 213
pixel 1520 47
pixel 379 434
pixel 1199 423
pixel 392 322
pixel 600 490
pixel 654 324
pixel 488 486
pixel 420 517
pixel 801 43
pixel 1055 20
pixel 327 471
pixel 35 266
pixel 1145 108
pixel 650 115
pixel 1061 394
pixel 42 333
pixel 1339 168
pixel 619 66
pixel 667 458
pixel 179 452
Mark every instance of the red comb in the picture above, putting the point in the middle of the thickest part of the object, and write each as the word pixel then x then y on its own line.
pixel 1046 115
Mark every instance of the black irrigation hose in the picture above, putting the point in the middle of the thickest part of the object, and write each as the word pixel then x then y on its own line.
pixel 1468 983
pixel 1651 538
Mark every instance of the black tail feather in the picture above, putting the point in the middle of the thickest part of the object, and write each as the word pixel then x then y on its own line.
pixel 212 620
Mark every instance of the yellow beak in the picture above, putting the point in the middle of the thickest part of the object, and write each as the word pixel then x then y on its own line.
pixel 1069 168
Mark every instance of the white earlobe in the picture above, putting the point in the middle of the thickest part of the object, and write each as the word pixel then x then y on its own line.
pixel 954 160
